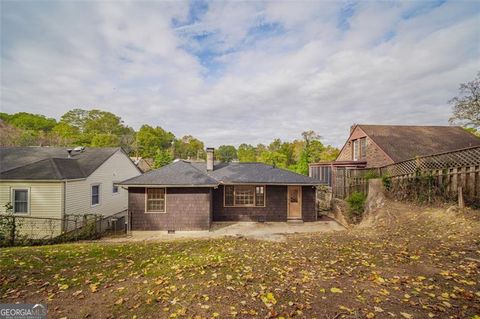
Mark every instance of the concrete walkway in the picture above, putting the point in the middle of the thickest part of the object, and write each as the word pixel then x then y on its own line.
pixel 273 231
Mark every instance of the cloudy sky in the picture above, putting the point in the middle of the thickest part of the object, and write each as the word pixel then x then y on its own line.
pixel 238 72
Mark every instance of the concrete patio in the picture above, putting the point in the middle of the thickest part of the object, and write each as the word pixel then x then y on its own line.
pixel 272 231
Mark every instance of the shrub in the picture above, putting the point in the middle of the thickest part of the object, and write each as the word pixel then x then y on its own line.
pixel 356 206
pixel 371 175
pixel 387 182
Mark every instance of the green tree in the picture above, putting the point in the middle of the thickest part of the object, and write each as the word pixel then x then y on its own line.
pixel 189 147
pixel 162 158
pixel 65 130
pixel 302 164
pixel 101 122
pixel 275 159
pixel 275 145
pixel 128 140
pixel 149 139
pixel 5 117
pixel 76 118
pixel 466 106
pixel 226 153
pixel 288 150
pixel 246 153
pixel 105 140
pixel 330 153
pixel 34 122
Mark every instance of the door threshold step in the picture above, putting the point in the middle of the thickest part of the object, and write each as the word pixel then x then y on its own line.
pixel 295 221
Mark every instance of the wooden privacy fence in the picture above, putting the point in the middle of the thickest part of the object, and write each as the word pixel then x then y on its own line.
pixel 450 175
pixel 444 174
pixel 351 180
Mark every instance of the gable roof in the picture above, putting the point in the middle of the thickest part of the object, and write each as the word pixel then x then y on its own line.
pixel 50 163
pixel 184 173
pixel 403 142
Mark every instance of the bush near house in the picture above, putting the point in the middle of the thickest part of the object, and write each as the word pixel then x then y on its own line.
pixel 356 206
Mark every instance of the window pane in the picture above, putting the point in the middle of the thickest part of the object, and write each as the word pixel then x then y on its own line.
pixel 294 196
pixel 114 188
pixel 259 196
pixel 20 204
pixel 355 150
pixel 155 199
pixel 229 190
pixel 95 194
pixel 21 195
pixel 244 195
pixel 363 147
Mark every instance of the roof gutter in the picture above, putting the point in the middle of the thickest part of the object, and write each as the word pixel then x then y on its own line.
pixel 214 186
pixel 41 180
pixel 161 185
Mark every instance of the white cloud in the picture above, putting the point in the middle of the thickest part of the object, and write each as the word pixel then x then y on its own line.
pixel 395 63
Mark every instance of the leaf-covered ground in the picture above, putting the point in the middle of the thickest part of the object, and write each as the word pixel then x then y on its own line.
pixel 410 264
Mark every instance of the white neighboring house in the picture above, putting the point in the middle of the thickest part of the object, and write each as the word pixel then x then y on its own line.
pixel 54 182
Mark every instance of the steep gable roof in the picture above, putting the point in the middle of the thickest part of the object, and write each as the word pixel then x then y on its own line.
pixel 50 163
pixel 184 173
pixel 403 142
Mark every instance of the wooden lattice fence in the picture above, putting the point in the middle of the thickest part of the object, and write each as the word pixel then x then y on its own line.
pixel 440 175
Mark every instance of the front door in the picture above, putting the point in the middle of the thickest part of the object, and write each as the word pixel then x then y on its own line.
pixel 294 202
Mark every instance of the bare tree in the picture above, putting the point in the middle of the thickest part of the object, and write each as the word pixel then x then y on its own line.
pixel 466 106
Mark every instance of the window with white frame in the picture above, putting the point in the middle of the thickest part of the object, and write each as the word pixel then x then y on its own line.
pixel 20 201
pixel 359 149
pixel 259 196
pixel 155 200
pixel 95 194
pixel 115 189
pixel 356 150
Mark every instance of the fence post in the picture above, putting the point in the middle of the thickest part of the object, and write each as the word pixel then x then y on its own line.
pixel 76 227
pixel 13 231
pixel 461 203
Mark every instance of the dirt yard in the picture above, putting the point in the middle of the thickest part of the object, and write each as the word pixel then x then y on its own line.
pixel 409 262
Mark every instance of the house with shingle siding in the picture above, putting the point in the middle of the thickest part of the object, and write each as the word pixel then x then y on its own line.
pixel 188 195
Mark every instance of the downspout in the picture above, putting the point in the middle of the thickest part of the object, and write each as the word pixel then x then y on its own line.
pixel 64 204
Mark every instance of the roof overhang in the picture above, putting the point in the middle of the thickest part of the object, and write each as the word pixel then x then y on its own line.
pixel 41 180
pixel 161 185
pixel 339 163
pixel 272 184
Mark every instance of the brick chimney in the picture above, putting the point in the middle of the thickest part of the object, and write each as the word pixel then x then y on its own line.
pixel 210 158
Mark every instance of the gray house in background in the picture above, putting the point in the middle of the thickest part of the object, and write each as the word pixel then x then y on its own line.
pixel 189 196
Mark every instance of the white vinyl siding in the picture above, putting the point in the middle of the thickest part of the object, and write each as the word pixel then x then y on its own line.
pixel 45 199
pixel 78 193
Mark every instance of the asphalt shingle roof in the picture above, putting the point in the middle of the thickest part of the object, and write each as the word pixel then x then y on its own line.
pixel 184 173
pixel 403 142
pixel 178 173
pixel 50 163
